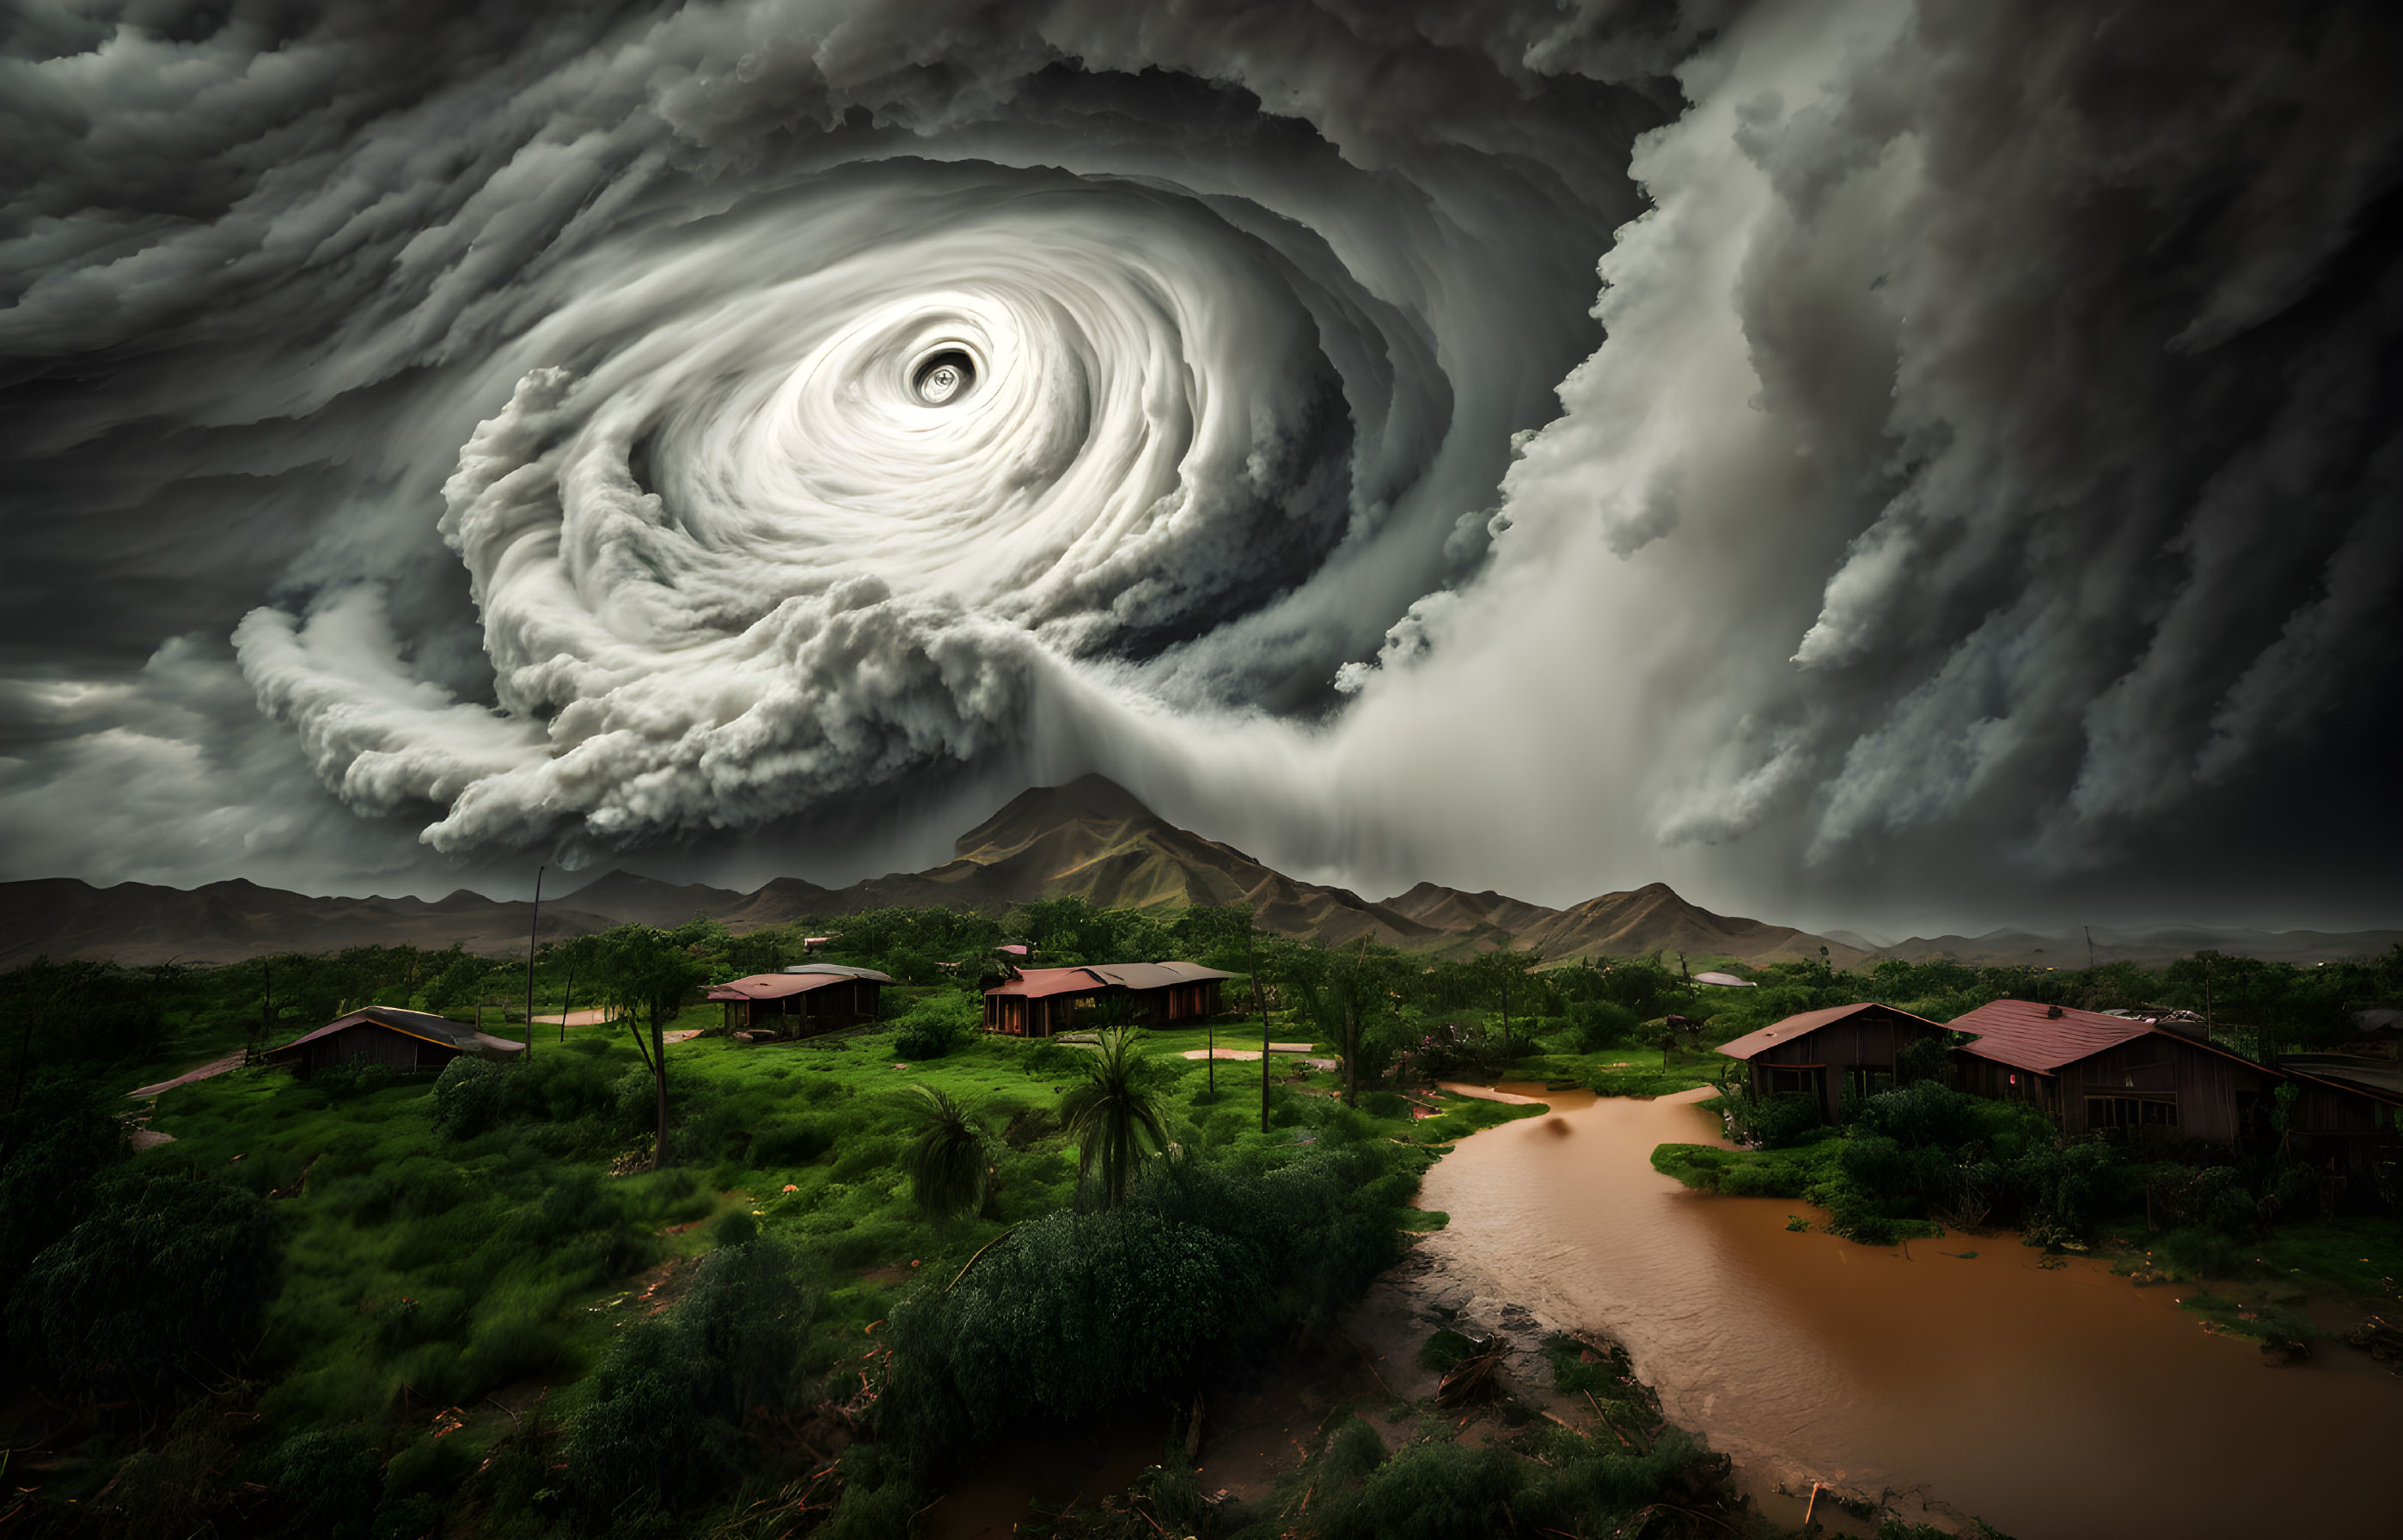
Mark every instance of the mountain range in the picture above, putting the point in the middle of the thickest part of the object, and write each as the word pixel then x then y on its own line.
pixel 1092 839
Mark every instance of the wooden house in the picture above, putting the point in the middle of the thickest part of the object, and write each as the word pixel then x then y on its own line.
pixel 1042 1001
pixel 802 1002
pixel 2347 1116
pixel 1830 1053
pixel 2089 1072
pixel 402 1041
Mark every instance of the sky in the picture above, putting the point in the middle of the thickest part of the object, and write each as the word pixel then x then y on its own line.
pixel 1913 467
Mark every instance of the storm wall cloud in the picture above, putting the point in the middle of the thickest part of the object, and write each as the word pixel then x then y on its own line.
pixel 1870 456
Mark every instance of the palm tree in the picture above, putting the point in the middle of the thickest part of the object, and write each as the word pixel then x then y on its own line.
pixel 1111 1114
pixel 946 1161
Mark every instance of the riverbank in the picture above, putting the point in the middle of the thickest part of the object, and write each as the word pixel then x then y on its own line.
pixel 2044 1394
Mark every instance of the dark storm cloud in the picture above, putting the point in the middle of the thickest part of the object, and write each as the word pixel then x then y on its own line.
pixel 1986 457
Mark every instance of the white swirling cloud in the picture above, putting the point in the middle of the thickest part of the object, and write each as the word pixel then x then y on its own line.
pixel 595 432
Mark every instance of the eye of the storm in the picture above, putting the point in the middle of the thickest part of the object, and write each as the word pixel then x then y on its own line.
pixel 944 377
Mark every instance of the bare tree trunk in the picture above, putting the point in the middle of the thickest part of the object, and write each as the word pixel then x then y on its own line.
pixel 660 1073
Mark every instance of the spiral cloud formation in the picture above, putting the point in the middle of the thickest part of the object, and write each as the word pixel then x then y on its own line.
pixel 1891 459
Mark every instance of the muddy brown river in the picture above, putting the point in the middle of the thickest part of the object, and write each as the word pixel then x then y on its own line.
pixel 2055 1403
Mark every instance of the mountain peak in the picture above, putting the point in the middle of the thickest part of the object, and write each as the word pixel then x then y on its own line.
pixel 1039 810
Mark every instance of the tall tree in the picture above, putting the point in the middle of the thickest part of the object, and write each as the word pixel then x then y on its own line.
pixel 1506 971
pixel 648 975
pixel 1112 1114
pixel 1344 994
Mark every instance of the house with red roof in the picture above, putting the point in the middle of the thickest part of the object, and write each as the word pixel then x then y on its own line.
pixel 1043 1002
pixel 803 1001
pixel 1831 1053
pixel 2088 1071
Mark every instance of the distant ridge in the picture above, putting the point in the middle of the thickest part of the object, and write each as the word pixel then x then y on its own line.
pixel 1092 839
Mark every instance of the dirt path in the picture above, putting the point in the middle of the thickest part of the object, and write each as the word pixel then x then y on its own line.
pixel 215 1066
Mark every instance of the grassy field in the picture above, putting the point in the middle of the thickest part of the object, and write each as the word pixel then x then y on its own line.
pixel 423 1273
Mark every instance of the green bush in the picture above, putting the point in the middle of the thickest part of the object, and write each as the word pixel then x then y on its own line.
pixel 1776 1122
pixel 1073 1312
pixel 1600 1025
pixel 794 1143
pixel 1923 1113
pixel 1354 1452
pixel 353 1078
pixel 936 1024
pixel 59 1140
pixel 468 1097
pixel 326 1483
pixel 161 1284
pixel 668 1390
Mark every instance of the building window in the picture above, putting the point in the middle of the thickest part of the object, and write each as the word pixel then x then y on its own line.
pixel 1868 1082
pixel 2129 1112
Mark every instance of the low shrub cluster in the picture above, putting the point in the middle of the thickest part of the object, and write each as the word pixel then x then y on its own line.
pixel 1070 1312
pixel 1913 1161
pixel 1924 1157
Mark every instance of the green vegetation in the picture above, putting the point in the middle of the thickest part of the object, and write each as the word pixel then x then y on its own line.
pixel 627 1286
pixel 498 1297
pixel 1603 1463
pixel 1923 1159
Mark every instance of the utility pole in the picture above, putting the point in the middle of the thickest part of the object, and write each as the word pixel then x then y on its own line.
pixel 266 1005
pixel 534 927
pixel 1259 1003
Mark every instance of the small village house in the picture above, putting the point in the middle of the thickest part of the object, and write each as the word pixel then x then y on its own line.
pixel 2347 1116
pixel 2087 1071
pixel 1042 1001
pixel 803 1001
pixel 402 1041
pixel 1832 1052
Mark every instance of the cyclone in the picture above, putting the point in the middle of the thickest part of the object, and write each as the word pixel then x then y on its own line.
pixel 1042 419
pixel 1827 449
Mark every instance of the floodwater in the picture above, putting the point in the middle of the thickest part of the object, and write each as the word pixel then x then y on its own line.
pixel 2054 1403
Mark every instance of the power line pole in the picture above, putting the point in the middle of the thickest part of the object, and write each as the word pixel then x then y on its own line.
pixel 1252 956
pixel 534 928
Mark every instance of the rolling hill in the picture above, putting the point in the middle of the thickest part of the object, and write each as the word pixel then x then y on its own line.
pixel 1089 837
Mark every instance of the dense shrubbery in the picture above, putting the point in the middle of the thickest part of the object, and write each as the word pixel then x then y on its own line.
pixel 1913 1159
pixel 1072 1311
pixel 59 1142
pixel 163 1283
pixel 935 1025
pixel 468 1097
pixel 670 1393
pixel 1926 1156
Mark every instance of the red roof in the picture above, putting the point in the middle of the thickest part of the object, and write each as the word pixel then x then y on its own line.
pixel 1769 1036
pixel 1042 983
pixel 2028 1036
pixel 780 986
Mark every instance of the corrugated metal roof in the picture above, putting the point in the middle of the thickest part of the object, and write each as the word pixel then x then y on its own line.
pixel 838 971
pixel 1807 1021
pixel 2028 1036
pixel 1724 980
pixel 1042 983
pixel 422 1025
pixel 781 986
